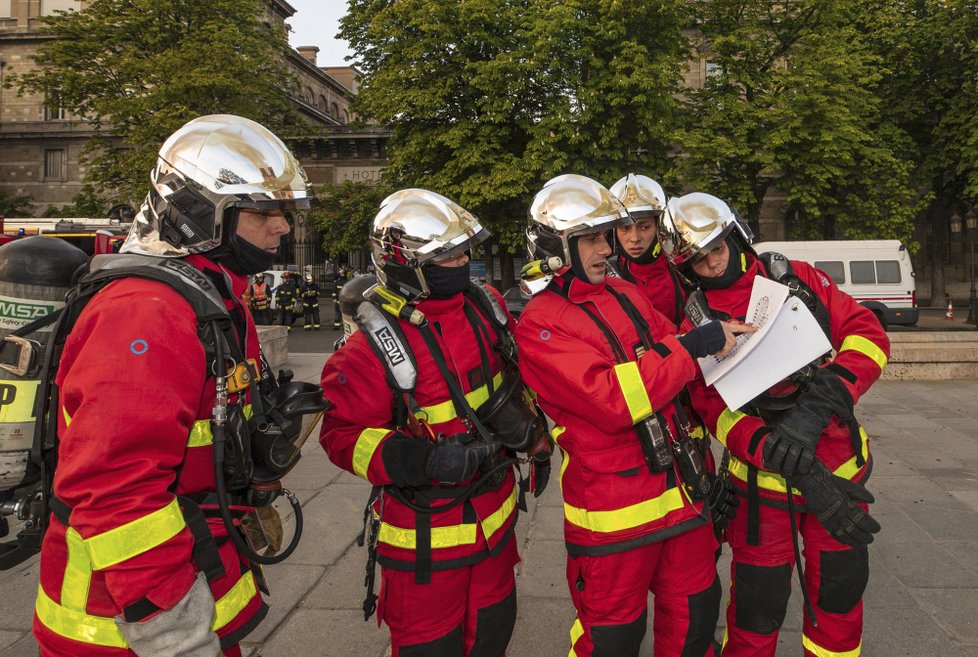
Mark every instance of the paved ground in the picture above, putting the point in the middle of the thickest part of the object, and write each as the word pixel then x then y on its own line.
pixel 923 591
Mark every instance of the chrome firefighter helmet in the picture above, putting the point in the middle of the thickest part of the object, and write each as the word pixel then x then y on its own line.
pixel 568 207
pixel 205 171
pixel 640 194
pixel 696 223
pixel 413 228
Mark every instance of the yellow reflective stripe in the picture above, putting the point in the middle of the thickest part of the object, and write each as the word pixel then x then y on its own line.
pixel 495 520
pixel 64 412
pixel 577 631
pixel 766 480
pixel 866 347
pixel 775 482
pixel 99 630
pixel 18 401
pixel 819 651
pixel 364 450
pixel 626 517
pixel 445 411
pixel 556 433
pixel 234 601
pixel 441 537
pixel 134 538
pixel 633 388
pixel 726 422
pixel 77 625
pixel 78 573
pixel 200 432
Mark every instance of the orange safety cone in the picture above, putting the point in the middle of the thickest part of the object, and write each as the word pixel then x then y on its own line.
pixel 949 314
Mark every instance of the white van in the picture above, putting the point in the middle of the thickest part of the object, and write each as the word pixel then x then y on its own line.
pixel 876 273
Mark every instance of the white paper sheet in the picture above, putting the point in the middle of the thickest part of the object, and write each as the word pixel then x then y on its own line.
pixel 787 339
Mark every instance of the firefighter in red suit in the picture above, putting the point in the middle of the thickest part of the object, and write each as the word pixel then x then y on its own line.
pixel 640 261
pixel 606 367
pixel 639 257
pixel 802 431
pixel 117 573
pixel 447 574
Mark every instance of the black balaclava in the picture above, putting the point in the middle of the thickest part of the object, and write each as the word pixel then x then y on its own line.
pixel 577 267
pixel 239 255
pixel 732 273
pixel 446 282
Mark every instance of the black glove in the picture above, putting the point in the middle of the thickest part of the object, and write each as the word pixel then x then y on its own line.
pixel 723 500
pixel 540 476
pixel 406 460
pixel 832 500
pixel 790 449
pixel 457 458
pixel 704 340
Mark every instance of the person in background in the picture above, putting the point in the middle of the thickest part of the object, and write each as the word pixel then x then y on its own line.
pixel 309 293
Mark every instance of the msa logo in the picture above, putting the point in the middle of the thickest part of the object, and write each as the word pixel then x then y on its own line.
pixel 390 346
pixel 20 310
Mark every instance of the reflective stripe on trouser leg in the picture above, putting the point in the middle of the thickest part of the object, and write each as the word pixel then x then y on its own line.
pixel 836 576
pixel 760 584
pixel 686 595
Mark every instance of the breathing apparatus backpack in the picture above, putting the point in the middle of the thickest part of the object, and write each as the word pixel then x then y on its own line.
pixel 251 454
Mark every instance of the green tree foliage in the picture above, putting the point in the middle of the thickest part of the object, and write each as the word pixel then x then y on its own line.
pixel 929 51
pixel 344 214
pixel 139 69
pixel 792 105
pixel 15 206
pixel 487 99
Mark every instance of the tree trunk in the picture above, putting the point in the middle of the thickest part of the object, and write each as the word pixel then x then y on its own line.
pixel 937 218
pixel 506 267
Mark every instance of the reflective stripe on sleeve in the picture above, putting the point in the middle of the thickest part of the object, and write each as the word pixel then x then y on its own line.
pixel 445 411
pixel 866 347
pixel 726 422
pixel 134 538
pixel 366 445
pixel 102 631
pixel 633 389
pixel 627 517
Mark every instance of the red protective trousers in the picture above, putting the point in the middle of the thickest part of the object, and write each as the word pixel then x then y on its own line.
pixel 476 609
pixel 835 576
pixel 610 593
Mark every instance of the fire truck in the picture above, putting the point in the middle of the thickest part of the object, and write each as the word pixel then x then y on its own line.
pixel 94 236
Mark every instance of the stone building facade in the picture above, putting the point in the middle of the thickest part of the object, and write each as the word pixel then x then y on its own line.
pixel 40 147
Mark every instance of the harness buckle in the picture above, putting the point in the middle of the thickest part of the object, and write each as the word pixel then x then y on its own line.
pixel 25 363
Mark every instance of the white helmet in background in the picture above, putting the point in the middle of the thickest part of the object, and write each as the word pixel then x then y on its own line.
pixel 413 228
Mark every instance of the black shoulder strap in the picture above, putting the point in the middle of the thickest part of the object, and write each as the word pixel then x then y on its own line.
pixel 489 306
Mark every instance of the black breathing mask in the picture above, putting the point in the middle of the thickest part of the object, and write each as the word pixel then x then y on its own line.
pixel 446 282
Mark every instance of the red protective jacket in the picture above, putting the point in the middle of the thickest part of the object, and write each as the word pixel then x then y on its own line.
pixel 612 502
pixel 861 352
pixel 362 418
pixel 659 283
pixel 135 403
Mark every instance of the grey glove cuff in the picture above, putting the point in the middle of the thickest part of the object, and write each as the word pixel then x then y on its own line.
pixel 183 631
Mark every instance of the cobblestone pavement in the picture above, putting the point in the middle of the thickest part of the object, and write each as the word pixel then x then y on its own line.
pixel 923 591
